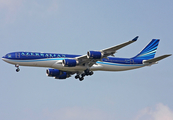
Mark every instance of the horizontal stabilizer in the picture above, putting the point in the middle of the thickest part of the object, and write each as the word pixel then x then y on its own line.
pixel 156 59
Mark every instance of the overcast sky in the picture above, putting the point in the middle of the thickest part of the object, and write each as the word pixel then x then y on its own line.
pixel 74 27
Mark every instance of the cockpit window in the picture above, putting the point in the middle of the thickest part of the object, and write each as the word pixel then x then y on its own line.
pixel 9 55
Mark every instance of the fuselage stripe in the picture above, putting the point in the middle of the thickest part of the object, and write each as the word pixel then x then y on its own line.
pixel 115 64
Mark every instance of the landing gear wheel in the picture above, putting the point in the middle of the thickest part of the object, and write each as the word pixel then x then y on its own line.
pixel 77 76
pixel 83 74
pixel 17 70
pixel 91 73
pixel 81 78
pixel 86 72
pixel 17 66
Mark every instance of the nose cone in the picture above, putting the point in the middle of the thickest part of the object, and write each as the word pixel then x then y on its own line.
pixel 7 58
pixel 3 58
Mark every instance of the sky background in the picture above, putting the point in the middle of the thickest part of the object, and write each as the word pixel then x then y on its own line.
pixel 75 27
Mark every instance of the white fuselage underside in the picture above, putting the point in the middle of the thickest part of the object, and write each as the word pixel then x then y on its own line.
pixel 57 64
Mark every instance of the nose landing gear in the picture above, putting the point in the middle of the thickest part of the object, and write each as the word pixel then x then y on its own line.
pixel 17 66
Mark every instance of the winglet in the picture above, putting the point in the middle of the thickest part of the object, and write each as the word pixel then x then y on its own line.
pixel 134 39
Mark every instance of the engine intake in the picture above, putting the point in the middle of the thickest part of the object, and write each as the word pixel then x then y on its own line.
pixel 53 72
pixel 69 62
pixel 94 55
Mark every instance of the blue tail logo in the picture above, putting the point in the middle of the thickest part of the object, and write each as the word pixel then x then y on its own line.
pixel 149 51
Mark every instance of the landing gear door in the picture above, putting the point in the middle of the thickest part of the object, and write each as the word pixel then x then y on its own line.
pixel 17 55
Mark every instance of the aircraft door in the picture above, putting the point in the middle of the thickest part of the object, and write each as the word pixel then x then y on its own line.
pixel 17 55
pixel 131 61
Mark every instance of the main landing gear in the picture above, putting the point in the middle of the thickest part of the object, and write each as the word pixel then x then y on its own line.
pixel 79 77
pixel 86 73
pixel 17 66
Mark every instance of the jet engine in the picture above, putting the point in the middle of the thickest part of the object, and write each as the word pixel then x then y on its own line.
pixel 94 55
pixel 58 74
pixel 53 72
pixel 63 76
pixel 69 62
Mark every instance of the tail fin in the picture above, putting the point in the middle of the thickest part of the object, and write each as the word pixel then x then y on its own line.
pixel 149 51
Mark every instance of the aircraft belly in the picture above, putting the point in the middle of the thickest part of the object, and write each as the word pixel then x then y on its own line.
pixel 96 67
pixel 77 68
pixel 118 67
pixel 45 63
pixel 58 65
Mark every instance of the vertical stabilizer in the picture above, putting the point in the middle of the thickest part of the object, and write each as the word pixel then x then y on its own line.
pixel 149 51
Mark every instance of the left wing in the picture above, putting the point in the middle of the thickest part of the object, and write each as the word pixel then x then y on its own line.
pixel 112 50
pixel 105 53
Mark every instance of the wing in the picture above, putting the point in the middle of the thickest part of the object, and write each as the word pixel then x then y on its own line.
pixel 112 50
pixel 106 52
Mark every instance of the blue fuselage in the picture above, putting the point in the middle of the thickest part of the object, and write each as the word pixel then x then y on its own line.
pixel 54 60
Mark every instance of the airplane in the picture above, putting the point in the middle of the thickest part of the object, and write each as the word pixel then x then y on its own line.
pixel 62 66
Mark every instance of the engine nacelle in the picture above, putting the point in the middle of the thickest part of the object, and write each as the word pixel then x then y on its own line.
pixel 69 62
pixel 53 72
pixel 94 55
pixel 63 76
